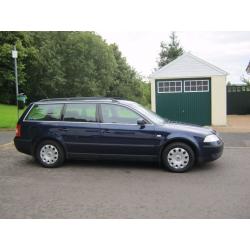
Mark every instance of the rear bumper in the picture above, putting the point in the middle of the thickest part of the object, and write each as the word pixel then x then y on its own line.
pixel 23 146
pixel 211 152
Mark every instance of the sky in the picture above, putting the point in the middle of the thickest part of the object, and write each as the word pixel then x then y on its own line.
pixel 229 50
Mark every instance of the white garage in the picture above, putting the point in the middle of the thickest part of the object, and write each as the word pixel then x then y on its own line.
pixel 190 89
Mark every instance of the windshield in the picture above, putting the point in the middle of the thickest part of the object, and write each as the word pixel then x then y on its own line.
pixel 150 114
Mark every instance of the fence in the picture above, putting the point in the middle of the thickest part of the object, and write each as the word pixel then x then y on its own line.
pixel 238 100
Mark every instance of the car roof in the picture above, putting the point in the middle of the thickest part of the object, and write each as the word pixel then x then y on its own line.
pixel 83 99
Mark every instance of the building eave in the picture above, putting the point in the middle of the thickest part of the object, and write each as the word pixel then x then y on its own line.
pixel 158 73
pixel 184 77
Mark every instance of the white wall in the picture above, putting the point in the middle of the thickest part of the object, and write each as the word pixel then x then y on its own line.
pixel 153 101
pixel 219 100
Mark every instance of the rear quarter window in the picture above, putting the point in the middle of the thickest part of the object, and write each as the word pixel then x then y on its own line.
pixel 45 112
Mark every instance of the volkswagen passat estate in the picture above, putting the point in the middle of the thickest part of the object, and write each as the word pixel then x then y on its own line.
pixel 53 130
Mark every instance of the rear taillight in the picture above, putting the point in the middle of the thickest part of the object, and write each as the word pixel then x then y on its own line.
pixel 18 130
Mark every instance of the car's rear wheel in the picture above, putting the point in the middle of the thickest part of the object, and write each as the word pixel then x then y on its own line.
pixel 50 154
pixel 178 157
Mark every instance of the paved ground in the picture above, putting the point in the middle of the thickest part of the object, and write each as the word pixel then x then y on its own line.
pixel 220 189
pixel 236 123
pixel 6 136
pixel 236 139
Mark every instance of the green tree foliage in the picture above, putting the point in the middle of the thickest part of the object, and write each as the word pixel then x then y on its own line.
pixel 70 64
pixel 126 82
pixel 170 50
pixel 65 64
pixel 245 80
pixel 7 76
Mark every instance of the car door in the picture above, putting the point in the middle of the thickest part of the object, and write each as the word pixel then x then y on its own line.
pixel 80 129
pixel 122 136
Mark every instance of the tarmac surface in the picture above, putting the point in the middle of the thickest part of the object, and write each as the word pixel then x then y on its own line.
pixel 105 189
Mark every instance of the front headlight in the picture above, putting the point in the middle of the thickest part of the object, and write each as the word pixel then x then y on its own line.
pixel 211 138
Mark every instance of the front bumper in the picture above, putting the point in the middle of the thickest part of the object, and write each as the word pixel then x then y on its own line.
pixel 211 151
pixel 23 145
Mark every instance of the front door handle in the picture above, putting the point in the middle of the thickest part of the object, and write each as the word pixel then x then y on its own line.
pixel 106 131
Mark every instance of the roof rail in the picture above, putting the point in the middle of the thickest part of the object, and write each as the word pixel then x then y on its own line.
pixel 114 99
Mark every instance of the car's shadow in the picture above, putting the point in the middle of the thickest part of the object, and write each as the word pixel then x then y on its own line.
pixel 113 164
pixel 108 164
pixel 132 164
pixel 123 165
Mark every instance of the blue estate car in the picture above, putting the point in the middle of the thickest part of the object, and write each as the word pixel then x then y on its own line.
pixel 53 130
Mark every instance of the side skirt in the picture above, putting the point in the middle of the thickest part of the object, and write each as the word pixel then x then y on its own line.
pixel 112 156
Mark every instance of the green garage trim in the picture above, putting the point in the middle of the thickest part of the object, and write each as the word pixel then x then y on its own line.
pixel 190 107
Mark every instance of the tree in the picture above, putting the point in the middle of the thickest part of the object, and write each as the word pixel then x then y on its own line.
pixel 70 64
pixel 67 64
pixel 245 80
pixel 126 81
pixel 170 51
pixel 7 76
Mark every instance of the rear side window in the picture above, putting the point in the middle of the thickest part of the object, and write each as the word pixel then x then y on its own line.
pixel 45 112
pixel 80 112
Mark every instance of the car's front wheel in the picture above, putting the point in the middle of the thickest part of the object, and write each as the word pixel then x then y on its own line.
pixel 50 154
pixel 178 157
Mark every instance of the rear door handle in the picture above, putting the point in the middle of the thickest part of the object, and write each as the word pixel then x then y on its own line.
pixel 63 129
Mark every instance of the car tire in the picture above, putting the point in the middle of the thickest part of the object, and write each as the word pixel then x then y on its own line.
pixel 50 154
pixel 178 157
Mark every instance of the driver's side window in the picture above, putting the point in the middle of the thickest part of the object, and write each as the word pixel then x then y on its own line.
pixel 118 114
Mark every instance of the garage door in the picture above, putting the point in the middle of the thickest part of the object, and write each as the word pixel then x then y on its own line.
pixel 184 100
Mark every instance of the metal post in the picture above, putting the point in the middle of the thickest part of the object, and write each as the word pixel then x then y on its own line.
pixel 14 55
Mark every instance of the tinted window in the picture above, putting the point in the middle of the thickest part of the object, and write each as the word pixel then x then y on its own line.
pixel 148 113
pixel 82 112
pixel 45 112
pixel 118 114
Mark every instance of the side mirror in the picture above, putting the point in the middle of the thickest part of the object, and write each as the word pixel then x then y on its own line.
pixel 141 122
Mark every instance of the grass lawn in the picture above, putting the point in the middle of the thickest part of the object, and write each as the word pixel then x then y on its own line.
pixel 8 116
